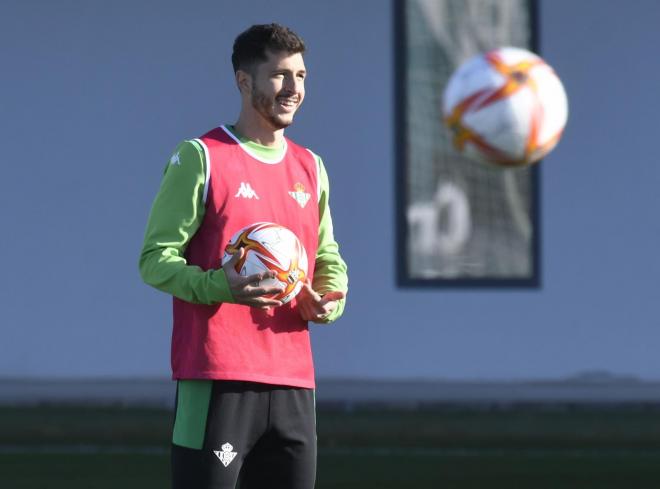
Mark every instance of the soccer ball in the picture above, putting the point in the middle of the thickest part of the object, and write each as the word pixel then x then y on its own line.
pixel 269 246
pixel 506 106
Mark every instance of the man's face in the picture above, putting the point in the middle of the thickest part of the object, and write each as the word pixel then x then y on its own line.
pixel 278 88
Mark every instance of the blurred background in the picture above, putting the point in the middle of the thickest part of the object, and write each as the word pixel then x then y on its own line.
pixel 555 385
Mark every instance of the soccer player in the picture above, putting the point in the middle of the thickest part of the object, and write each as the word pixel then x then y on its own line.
pixel 243 364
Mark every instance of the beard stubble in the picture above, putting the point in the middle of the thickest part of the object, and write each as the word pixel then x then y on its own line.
pixel 265 106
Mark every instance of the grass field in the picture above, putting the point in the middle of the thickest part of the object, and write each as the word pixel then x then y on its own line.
pixel 458 447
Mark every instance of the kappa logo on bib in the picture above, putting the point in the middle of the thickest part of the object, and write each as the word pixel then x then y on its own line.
pixel 299 195
pixel 175 159
pixel 226 455
pixel 246 191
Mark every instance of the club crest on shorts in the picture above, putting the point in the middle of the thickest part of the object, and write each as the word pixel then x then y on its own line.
pixel 299 194
pixel 226 455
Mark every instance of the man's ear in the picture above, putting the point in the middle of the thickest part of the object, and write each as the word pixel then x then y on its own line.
pixel 243 81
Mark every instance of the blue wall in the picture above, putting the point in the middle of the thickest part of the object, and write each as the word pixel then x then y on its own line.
pixel 95 95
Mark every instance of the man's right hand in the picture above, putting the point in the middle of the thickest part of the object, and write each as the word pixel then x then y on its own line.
pixel 247 290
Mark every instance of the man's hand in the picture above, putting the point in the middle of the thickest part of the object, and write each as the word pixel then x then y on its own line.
pixel 246 290
pixel 314 307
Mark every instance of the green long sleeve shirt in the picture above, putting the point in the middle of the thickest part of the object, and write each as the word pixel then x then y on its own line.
pixel 178 211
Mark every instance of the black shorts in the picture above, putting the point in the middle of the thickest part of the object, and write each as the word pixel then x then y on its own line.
pixel 226 431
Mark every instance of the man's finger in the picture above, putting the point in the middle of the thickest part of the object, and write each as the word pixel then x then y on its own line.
pixel 234 260
pixel 333 295
pixel 307 287
pixel 263 303
pixel 316 310
pixel 261 291
pixel 258 277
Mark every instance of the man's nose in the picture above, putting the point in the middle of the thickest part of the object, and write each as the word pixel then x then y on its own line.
pixel 293 84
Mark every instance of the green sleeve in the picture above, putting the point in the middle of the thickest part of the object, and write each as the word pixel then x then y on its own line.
pixel 176 214
pixel 330 269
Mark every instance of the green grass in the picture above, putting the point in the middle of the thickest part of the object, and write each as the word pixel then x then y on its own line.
pixel 489 471
pixel 84 425
pixel 359 470
pixel 514 427
pixel 447 447
pixel 84 471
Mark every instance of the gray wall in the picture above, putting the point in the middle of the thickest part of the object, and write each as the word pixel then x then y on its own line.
pixel 95 95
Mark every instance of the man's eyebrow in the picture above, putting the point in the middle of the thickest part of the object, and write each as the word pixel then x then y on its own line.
pixel 288 70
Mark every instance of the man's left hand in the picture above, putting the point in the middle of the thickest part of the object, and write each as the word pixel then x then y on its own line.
pixel 314 307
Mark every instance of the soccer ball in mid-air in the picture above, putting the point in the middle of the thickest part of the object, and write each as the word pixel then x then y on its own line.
pixel 506 106
pixel 269 246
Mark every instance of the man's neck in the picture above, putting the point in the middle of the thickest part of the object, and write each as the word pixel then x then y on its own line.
pixel 256 132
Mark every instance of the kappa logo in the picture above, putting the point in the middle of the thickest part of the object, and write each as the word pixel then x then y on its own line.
pixel 299 194
pixel 174 160
pixel 226 455
pixel 246 191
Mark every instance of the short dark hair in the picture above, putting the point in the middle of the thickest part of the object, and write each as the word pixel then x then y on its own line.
pixel 251 45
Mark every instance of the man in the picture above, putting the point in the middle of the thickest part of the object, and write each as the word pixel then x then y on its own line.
pixel 245 398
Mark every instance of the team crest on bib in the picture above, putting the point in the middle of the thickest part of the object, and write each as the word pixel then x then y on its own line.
pixel 299 194
pixel 226 455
